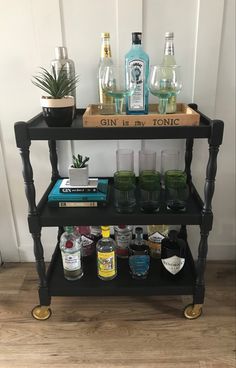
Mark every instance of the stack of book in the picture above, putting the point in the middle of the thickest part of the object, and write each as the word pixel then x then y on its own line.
pixel 95 194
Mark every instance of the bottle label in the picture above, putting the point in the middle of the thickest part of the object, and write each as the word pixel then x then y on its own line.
pixel 139 264
pixel 106 264
pixel 87 245
pixel 71 262
pixel 156 237
pixel 122 243
pixel 173 264
pixel 154 243
pixel 136 101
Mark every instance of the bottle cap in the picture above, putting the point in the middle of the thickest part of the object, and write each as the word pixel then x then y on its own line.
pixel 105 231
pixel 138 230
pixel 137 38
pixel 173 235
pixel 169 35
pixel 121 226
pixel 105 35
pixel 61 52
pixel 69 229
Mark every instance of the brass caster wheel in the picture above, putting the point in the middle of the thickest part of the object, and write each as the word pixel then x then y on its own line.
pixel 41 312
pixel 193 311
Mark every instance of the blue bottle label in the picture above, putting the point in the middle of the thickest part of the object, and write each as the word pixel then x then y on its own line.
pixel 139 264
pixel 136 101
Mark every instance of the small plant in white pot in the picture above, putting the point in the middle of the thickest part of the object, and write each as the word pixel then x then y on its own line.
pixel 58 106
pixel 78 171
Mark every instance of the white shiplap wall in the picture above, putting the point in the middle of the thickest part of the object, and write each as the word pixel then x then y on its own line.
pixel 29 32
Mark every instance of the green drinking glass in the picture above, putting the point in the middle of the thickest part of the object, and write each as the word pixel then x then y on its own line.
pixel 150 189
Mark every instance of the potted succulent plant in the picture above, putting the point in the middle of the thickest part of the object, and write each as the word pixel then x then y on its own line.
pixel 78 171
pixel 58 106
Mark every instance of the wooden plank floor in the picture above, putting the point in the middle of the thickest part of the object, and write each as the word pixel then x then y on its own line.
pixel 117 332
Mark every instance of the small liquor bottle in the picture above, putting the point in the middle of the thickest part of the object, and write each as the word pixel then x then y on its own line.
pixel 106 256
pixel 139 60
pixel 155 235
pixel 139 259
pixel 70 245
pixel 96 232
pixel 61 61
pixel 168 60
pixel 105 60
pixel 173 251
pixel 88 240
pixel 123 238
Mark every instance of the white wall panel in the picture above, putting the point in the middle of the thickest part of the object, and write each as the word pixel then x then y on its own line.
pixel 29 32
pixel 83 23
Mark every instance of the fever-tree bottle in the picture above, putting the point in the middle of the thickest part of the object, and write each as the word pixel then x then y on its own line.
pixel 137 58
pixel 169 60
pixel 105 60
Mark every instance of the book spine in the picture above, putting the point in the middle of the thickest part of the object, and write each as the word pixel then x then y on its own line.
pixel 76 204
pixel 78 190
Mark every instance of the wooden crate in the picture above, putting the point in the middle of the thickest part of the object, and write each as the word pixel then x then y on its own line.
pixel 97 117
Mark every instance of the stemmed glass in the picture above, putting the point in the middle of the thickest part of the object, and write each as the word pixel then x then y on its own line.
pixel 118 82
pixel 164 82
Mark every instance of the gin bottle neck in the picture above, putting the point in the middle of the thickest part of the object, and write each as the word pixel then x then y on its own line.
pixel 106 48
pixel 169 47
pixel 138 236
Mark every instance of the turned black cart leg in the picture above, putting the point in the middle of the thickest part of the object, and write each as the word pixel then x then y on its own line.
pixel 42 311
pixel 194 310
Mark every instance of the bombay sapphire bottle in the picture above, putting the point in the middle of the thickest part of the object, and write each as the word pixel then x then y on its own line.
pixel 139 259
pixel 137 103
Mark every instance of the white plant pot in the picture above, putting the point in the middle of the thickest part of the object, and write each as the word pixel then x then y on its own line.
pixel 78 176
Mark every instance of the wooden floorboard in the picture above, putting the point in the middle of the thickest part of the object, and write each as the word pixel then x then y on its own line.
pixel 122 332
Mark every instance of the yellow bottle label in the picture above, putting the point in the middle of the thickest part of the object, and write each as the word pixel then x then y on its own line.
pixel 106 264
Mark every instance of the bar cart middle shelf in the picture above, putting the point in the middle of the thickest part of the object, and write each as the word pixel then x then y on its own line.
pixel 52 282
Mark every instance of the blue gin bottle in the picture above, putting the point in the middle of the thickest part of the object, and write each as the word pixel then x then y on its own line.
pixel 139 259
pixel 137 58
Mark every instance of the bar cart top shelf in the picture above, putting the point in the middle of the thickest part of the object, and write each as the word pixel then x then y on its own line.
pixel 38 130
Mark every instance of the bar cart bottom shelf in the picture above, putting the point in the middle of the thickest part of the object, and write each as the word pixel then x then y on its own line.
pixel 158 282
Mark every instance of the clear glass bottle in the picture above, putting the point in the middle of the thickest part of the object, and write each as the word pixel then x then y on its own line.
pixel 137 58
pixel 123 238
pixel 96 231
pixel 106 256
pixel 62 60
pixel 168 60
pixel 71 247
pixel 173 252
pixel 88 240
pixel 139 259
pixel 155 235
pixel 105 60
